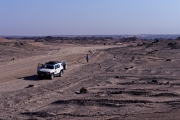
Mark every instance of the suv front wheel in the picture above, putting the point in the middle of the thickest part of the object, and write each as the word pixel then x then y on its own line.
pixel 60 73
pixel 52 76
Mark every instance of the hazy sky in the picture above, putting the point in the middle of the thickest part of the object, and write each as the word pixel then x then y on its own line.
pixel 89 17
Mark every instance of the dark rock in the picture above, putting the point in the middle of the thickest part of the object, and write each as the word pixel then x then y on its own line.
pixel 132 58
pixel 116 92
pixel 173 45
pixel 31 85
pixel 126 68
pixel 154 81
pixel 116 77
pixel 167 83
pixel 83 90
pixel 168 60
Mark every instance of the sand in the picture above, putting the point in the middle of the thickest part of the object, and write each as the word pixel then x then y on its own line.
pixel 125 80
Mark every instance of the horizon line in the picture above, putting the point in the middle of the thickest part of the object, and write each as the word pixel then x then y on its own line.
pixel 80 35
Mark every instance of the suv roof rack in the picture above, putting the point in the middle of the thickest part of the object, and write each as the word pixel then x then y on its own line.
pixel 52 62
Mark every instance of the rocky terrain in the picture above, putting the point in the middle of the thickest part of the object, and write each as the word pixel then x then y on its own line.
pixel 128 79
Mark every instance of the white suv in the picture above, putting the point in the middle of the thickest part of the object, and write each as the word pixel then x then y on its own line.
pixel 51 69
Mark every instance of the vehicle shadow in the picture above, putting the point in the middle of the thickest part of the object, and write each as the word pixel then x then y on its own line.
pixel 31 78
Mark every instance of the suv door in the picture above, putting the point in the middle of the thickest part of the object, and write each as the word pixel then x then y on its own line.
pixel 39 66
pixel 57 69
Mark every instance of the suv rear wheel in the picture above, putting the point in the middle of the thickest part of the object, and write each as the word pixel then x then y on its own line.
pixel 65 67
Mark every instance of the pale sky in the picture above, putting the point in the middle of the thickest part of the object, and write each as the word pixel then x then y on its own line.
pixel 89 17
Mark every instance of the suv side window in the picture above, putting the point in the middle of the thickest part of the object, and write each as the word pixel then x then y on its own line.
pixel 58 66
pixel 55 66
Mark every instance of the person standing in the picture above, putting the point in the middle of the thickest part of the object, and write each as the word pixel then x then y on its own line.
pixel 87 58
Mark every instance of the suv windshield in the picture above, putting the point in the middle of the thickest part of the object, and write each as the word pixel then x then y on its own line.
pixel 49 66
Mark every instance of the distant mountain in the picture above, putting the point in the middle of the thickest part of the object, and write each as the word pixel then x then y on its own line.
pixel 158 36
pixel 141 36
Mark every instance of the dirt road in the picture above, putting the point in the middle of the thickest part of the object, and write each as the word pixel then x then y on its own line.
pixel 22 72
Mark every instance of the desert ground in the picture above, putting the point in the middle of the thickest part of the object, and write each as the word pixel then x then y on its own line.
pixel 125 80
